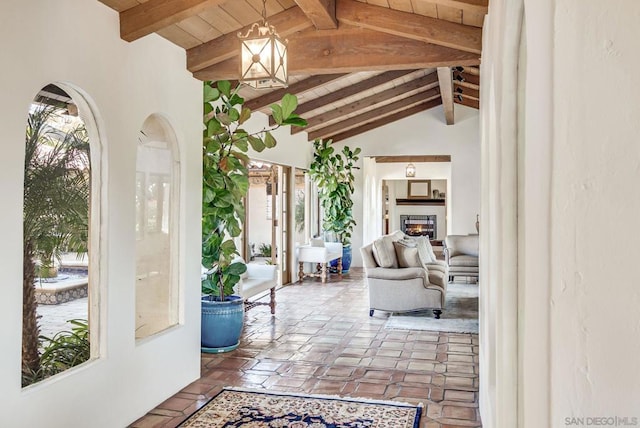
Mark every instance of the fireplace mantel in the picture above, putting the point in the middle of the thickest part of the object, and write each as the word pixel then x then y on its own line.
pixel 420 201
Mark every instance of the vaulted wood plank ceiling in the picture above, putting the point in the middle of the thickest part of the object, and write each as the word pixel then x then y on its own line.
pixel 355 65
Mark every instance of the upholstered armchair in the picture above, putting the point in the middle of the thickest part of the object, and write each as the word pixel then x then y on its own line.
pixel 461 254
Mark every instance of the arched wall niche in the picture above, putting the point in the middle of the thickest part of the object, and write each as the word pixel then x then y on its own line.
pixel 157 223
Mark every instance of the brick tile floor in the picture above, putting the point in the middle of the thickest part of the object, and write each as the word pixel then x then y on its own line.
pixel 323 341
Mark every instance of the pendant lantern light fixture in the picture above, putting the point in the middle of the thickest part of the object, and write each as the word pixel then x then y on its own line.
pixel 263 56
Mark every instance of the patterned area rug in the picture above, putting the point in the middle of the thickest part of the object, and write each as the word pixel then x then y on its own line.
pixel 254 409
pixel 460 314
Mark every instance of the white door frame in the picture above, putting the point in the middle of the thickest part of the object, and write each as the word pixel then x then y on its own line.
pixel 517 130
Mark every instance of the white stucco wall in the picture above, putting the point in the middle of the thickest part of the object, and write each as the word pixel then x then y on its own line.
pixel 426 133
pixel 595 321
pixel 77 42
pixel 577 172
pixel 291 150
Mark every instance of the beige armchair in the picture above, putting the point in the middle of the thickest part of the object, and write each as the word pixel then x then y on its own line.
pixel 401 289
pixel 461 255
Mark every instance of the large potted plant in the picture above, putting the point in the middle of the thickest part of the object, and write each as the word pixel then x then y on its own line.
pixel 332 171
pixel 225 183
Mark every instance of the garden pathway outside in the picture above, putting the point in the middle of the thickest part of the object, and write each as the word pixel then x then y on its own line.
pixel 323 341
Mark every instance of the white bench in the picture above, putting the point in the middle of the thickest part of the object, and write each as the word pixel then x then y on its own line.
pixel 320 255
pixel 257 279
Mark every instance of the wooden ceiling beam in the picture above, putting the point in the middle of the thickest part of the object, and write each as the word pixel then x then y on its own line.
pixel 375 114
pixel 352 50
pixel 422 84
pixel 387 120
pixel 351 90
pixel 321 12
pixel 445 78
pixel 348 91
pixel 295 88
pixel 480 7
pixel 466 77
pixel 469 103
pixel 412 158
pixel 225 47
pixel 467 85
pixel 154 15
pixel 413 26
pixel 466 91
pixel 471 70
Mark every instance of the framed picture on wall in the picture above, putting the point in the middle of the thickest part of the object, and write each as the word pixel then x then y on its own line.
pixel 418 189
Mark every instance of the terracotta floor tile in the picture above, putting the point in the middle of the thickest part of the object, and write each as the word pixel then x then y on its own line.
pixel 454 395
pixel 332 346
pixel 420 365
pixel 389 353
pixel 175 403
pixel 459 412
pixel 371 389
pixel 151 421
pixel 461 359
pixel 417 378
pixel 459 381
pixel 339 371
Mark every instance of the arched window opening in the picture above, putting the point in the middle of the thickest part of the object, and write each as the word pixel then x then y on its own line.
pixel 56 237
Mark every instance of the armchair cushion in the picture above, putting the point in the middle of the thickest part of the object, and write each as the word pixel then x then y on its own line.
pixel 398 274
pixel 439 265
pixel 426 250
pixel 464 260
pixel 407 256
pixel 384 252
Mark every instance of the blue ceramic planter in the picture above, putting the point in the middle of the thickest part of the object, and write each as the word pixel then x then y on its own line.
pixel 221 324
pixel 346 259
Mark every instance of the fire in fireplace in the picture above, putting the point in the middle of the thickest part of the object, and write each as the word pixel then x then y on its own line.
pixel 419 225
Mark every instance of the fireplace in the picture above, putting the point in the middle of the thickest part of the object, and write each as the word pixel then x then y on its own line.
pixel 419 225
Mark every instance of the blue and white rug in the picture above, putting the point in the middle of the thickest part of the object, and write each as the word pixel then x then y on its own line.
pixel 236 407
pixel 460 314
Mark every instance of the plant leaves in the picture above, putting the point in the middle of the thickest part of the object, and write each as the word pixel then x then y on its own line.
pixel 224 86
pixel 236 100
pixel 295 120
pixel 276 112
pixel 244 115
pixel 224 118
pixel 256 143
pixel 289 104
pixel 242 156
pixel 237 268
pixel 269 141
pixel 207 108
pixel 242 145
pixel 213 127
pixel 210 94
pixel 234 115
